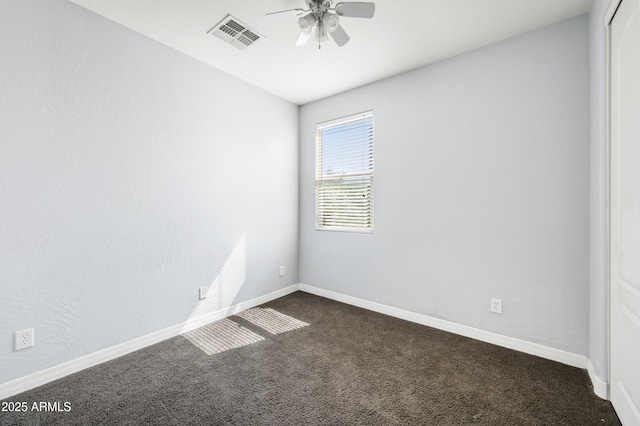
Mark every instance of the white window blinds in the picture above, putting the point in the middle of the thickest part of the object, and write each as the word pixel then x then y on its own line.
pixel 344 174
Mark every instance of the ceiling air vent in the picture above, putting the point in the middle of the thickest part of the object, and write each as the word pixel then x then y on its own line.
pixel 235 33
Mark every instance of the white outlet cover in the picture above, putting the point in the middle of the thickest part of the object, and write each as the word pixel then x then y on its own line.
pixel 24 339
pixel 203 293
pixel 496 305
pixel 282 271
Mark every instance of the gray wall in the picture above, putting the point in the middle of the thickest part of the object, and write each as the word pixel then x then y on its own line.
pixel 481 190
pixel 129 175
pixel 599 272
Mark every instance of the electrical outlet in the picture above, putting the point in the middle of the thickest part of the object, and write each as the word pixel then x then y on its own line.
pixel 282 271
pixel 496 305
pixel 24 339
pixel 203 293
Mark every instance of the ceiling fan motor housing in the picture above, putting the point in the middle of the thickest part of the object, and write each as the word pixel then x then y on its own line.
pixel 319 7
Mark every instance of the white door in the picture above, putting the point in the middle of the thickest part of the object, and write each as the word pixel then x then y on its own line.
pixel 625 212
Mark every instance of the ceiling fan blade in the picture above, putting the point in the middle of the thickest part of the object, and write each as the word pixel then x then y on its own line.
pixel 356 9
pixel 298 12
pixel 340 36
pixel 303 38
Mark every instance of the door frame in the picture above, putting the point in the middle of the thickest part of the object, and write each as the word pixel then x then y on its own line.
pixel 608 18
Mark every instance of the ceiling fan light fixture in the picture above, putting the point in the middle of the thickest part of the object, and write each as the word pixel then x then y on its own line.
pixel 306 23
pixel 321 33
pixel 331 22
pixel 322 20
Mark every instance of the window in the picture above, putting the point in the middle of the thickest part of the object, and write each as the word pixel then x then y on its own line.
pixel 344 174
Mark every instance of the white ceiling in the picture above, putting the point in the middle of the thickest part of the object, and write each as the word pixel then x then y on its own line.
pixel 403 35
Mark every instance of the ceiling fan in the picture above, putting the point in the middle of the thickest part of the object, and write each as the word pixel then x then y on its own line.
pixel 326 20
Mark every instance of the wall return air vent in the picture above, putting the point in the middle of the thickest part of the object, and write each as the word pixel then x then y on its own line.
pixel 234 32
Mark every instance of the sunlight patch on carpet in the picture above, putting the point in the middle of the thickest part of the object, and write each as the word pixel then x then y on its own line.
pixel 221 336
pixel 272 321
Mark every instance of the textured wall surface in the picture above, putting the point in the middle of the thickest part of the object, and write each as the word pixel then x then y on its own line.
pixel 130 176
pixel 481 190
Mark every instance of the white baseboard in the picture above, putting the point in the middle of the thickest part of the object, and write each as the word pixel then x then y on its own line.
pixel 600 386
pixel 40 378
pixel 59 371
pixel 553 354
pixel 209 317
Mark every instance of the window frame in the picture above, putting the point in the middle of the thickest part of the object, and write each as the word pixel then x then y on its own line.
pixel 319 178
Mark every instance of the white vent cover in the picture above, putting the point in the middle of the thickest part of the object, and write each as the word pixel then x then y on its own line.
pixel 235 33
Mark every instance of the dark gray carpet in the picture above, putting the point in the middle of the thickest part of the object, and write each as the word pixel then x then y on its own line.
pixel 348 367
